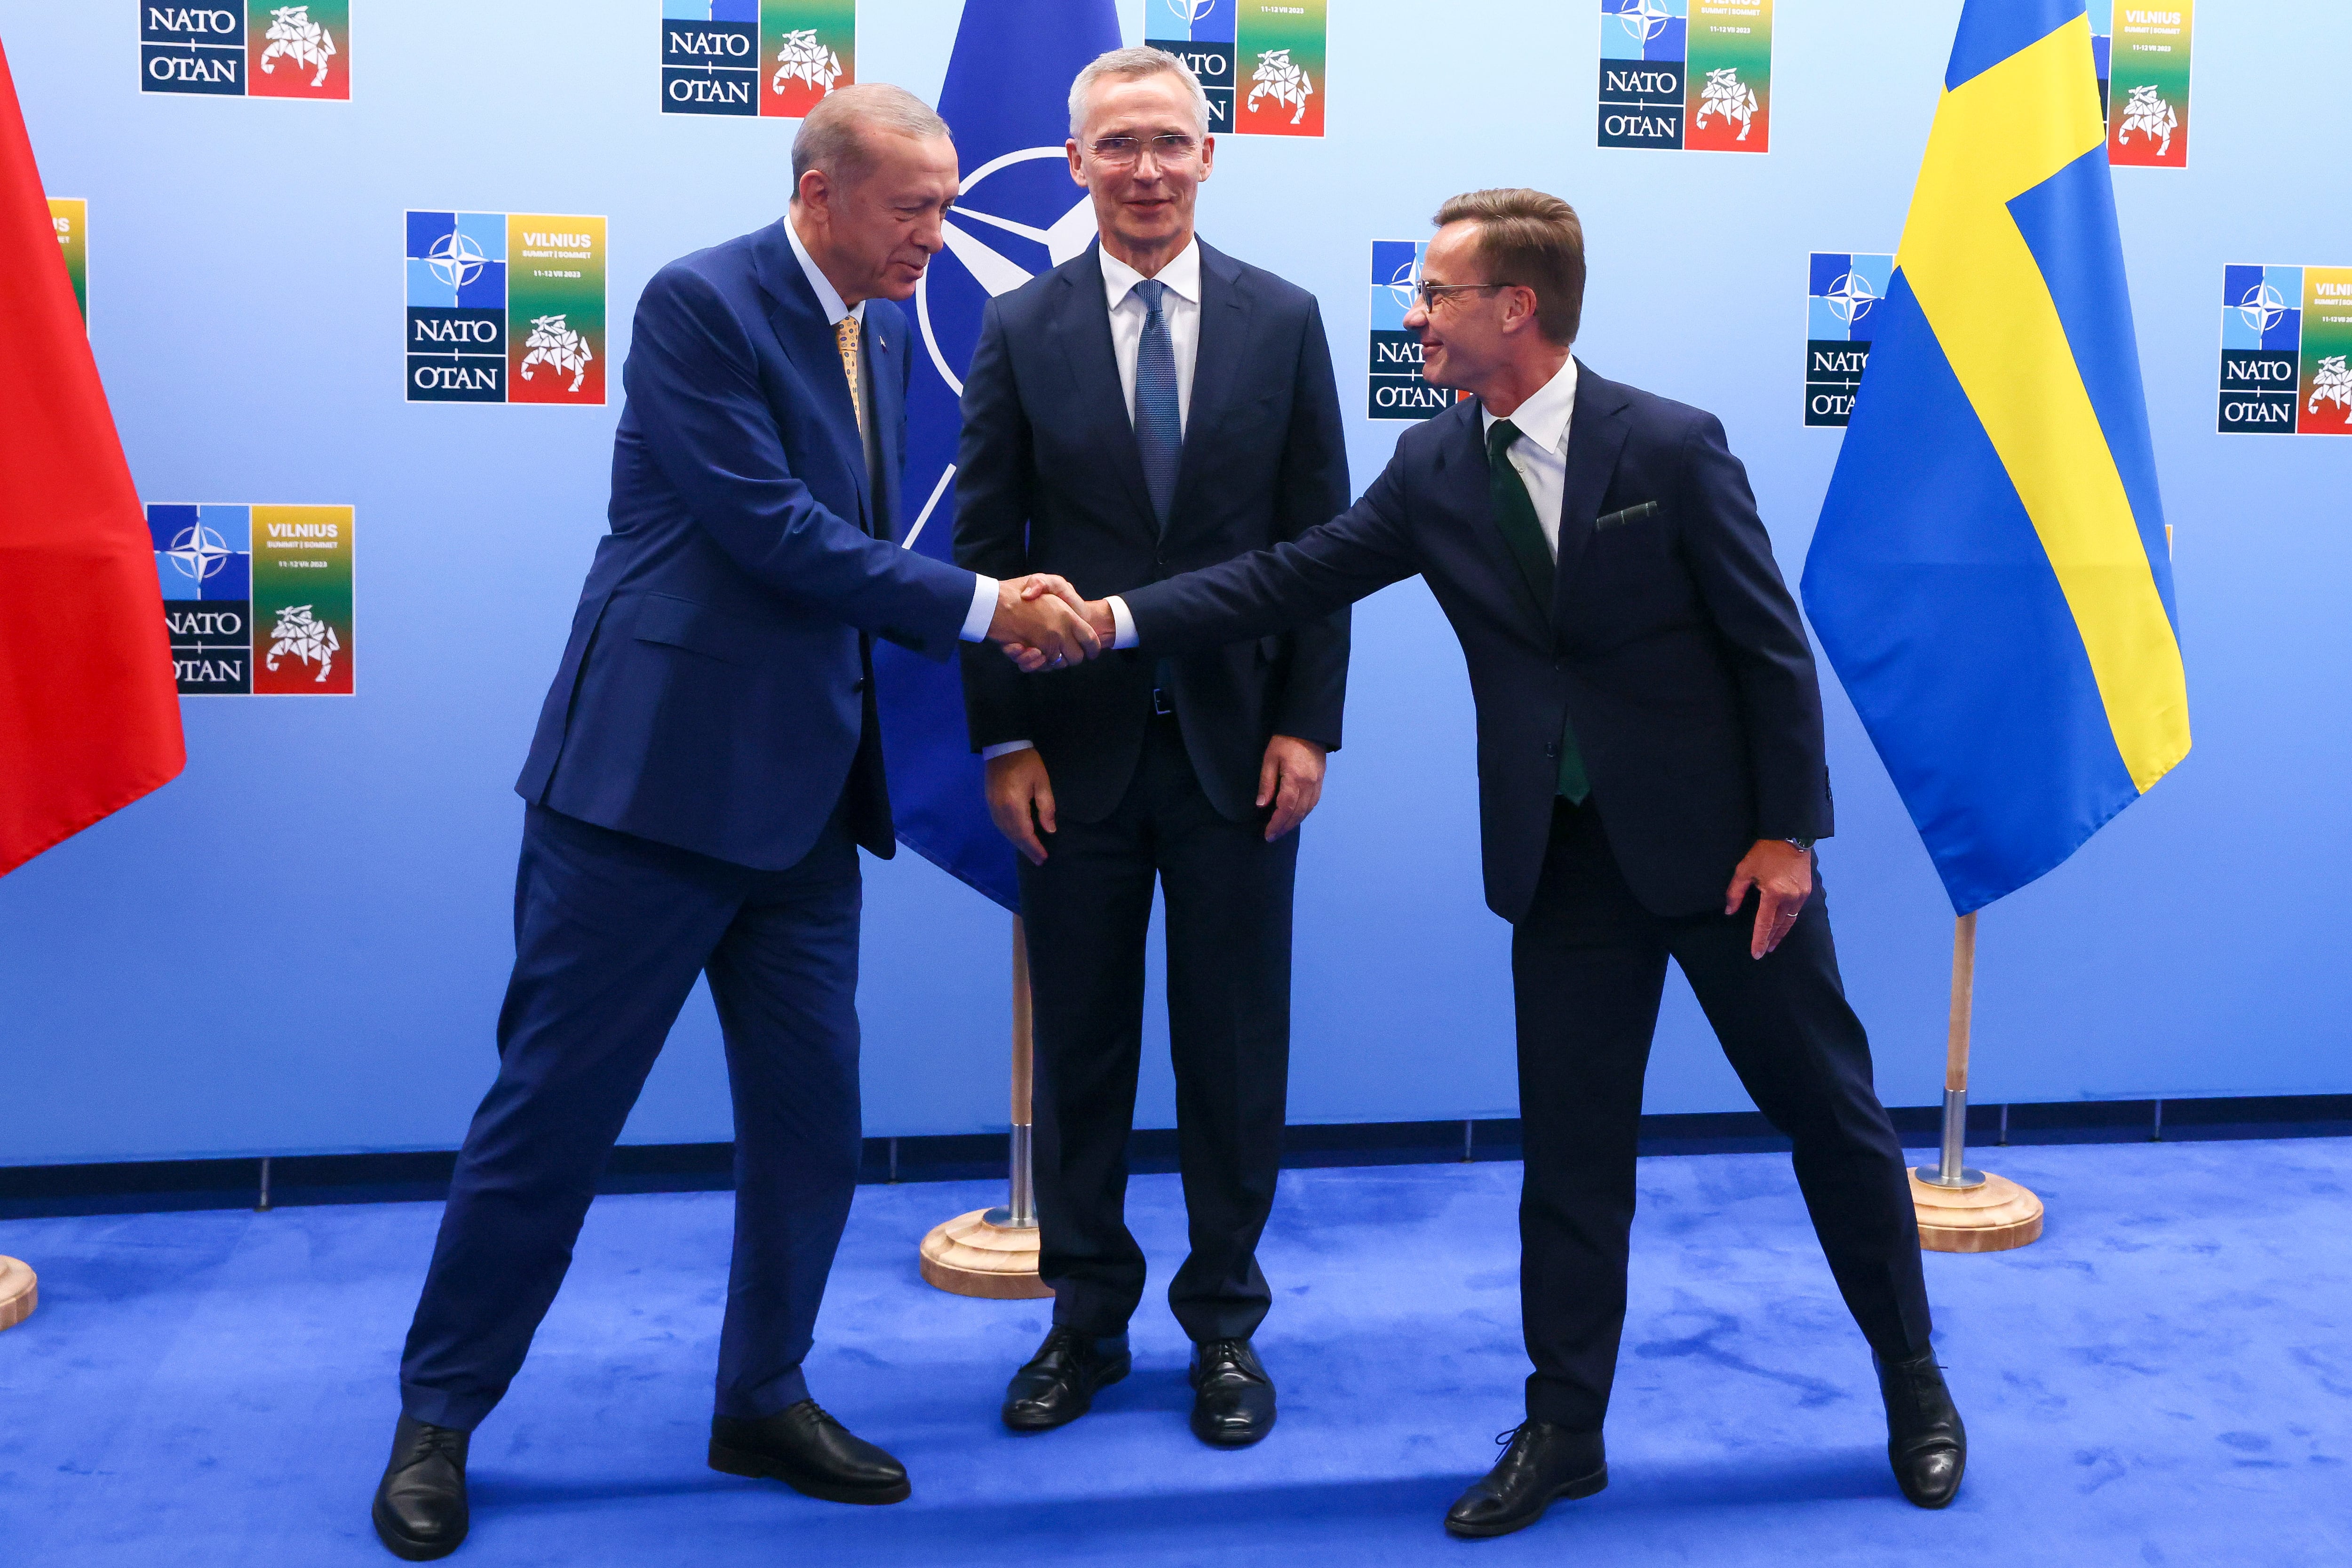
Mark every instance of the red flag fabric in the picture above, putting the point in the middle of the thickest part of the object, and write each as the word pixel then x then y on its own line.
pixel 89 711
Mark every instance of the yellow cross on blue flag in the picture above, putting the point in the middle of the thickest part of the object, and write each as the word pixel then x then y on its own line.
pixel 1991 577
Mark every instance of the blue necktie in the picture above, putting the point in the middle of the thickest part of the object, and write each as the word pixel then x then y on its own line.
pixel 1158 431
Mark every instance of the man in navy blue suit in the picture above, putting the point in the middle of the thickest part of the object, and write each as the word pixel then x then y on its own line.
pixel 1148 406
pixel 1651 780
pixel 707 765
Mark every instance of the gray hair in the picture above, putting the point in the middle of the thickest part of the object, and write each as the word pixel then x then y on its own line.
pixel 833 139
pixel 1133 64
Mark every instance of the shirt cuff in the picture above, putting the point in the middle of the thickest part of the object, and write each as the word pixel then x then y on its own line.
pixel 1124 622
pixel 990 753
pixel 983 609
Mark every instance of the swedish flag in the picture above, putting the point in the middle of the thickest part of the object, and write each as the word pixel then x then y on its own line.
pixel 1991 577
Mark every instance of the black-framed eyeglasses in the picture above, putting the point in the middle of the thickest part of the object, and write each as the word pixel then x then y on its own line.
pixel 1433 294
pixel 1119 152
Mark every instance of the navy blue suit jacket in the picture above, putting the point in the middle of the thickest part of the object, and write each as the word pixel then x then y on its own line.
pixel 1671 641
pixel 718 690
pixel 1049 478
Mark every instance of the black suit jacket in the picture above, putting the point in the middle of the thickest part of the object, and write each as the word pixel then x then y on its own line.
pixel 1049 478
pixel 1671 640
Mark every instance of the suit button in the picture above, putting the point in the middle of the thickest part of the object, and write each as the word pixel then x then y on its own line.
pixel 857 685
pixel 1557 665
pixel 1551 749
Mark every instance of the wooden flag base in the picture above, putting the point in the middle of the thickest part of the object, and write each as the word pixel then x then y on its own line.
pixel 1991 1216
pixel 969 1256
pixel 20 1292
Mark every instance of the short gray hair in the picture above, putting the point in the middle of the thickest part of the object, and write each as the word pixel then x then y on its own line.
pixel 1133 64
pixel 834 138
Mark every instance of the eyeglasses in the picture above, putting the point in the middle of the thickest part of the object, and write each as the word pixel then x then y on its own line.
pixel 1120 152
pixel 1432 295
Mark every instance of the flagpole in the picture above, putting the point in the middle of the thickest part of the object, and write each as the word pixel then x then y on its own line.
pixel 1961 1210
pixel 992 1252
pixel 20 1292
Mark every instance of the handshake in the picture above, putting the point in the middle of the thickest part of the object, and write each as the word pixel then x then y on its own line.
pixel 1042 622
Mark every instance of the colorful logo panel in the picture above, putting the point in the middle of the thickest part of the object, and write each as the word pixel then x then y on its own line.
pixel 257 599
pixel 1840 299
pixel 70 218
pixel 773 57
pixel 247 49
pixel 2143 61
pixel 2324 391
pixel 1263 66
pixel 505 308
pixel 1397 390
pixel 1728 102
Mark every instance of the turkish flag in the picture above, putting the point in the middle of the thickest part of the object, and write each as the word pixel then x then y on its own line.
pixel 90 709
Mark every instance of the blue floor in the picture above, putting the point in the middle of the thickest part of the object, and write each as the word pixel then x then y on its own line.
pixel 2165 1379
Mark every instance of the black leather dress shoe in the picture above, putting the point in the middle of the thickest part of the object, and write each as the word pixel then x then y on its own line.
pixel 1233 1398
pixel 810 1452
pixel 1058 1385
pixel 1542 1464
pixel 420 1504
pixel 1925 1441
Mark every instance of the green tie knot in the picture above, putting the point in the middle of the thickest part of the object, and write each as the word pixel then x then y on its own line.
pixel 1499 436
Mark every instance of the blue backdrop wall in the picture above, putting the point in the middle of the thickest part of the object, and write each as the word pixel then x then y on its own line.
pixel 299 945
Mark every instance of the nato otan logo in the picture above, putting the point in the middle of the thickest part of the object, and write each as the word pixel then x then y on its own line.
pixel 251 48
pixel 774 58
pixel 257 599
pixel 1693 74
pixel 2286 350
pixel 1841 307
pixel 1393 354
pixel 505 308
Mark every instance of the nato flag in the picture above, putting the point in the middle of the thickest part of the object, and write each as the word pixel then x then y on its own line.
pixel 1006 100
pixel 1992 577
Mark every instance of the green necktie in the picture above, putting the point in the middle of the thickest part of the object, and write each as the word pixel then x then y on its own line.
pixel 1515 514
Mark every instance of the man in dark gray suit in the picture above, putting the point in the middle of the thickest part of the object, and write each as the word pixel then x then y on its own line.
pixel 1650 782
pixel 1150 406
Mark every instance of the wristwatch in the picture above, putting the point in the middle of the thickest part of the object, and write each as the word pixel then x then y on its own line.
pixel 1804 844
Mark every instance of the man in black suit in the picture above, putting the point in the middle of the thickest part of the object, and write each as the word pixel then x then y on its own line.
pixel 1650 783
pixel 1150 406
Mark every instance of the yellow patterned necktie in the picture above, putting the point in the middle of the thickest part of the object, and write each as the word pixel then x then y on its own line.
pixel 844 334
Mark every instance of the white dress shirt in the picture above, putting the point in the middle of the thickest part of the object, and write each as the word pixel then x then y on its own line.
pixel 1181 309
pixel 1540 456
pixel 829 299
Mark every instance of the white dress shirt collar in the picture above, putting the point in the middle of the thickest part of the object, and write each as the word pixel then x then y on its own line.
pixel 828 298
pixel 1543 417
pixel 1182 274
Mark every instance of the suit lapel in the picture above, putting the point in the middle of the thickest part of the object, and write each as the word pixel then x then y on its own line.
pixel 1464 478
pixel 1225 315
pixel 1082 325
pixel 808 341
pixel 1596 434
pixel 885 340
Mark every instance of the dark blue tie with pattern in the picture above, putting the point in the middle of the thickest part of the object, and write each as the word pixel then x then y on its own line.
pixel 1159 430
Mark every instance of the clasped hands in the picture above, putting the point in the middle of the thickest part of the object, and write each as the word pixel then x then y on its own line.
pixel 1042 623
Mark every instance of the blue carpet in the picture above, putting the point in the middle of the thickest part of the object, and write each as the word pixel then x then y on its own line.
pixel 2165 1379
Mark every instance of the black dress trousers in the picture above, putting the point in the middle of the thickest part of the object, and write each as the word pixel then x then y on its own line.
pixel 1588 966
pixel 1088 912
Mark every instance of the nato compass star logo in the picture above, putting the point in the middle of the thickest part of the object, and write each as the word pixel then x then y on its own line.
pixel 1644 19
pixel 1850 298
pixel 454 259
pixel 1191 11
pixel 1405 283
pixel 2262 308
pixel 198 553
pixel 1030 226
